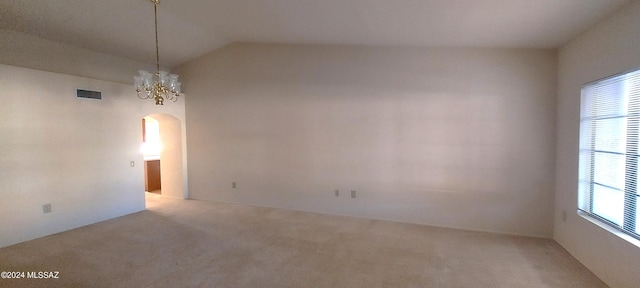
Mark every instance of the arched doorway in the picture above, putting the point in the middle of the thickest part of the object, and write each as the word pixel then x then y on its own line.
pixel 168 151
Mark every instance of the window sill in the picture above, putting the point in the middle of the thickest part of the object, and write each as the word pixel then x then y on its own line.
pixel 613 231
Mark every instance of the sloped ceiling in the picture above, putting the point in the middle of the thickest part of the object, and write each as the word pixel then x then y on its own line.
pixel 188 29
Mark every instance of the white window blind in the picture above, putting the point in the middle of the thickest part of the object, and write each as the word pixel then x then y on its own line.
pixel 609 151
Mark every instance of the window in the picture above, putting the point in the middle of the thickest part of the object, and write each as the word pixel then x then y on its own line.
pixel 609 151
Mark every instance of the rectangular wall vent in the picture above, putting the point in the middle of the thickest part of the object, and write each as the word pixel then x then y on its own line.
pixel 89 94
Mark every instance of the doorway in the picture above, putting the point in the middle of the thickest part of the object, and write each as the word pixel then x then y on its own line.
pixel 162 150
pixel 151 148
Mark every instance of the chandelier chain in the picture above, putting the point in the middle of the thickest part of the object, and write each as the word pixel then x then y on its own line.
pixel 155 13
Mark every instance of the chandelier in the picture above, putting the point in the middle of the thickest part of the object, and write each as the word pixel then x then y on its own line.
pixel 163 85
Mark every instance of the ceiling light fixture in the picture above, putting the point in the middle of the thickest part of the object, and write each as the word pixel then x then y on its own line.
pixel 164 85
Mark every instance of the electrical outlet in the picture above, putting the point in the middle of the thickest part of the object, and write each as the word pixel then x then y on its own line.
pixel 353 193
pixel 337 193
pixel 233 185
pixel 132 163
pixel 564 216
pixel 46 208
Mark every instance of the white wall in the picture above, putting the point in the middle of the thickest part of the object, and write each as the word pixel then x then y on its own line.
pixel 19 49
pixel 611 47
pixel 450 137
pixel 172 156
pixel 73 153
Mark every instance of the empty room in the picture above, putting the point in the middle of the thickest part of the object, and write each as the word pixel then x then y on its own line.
pixel 335 143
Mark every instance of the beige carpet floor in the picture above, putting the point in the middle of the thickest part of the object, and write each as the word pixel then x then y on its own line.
pixel 188 243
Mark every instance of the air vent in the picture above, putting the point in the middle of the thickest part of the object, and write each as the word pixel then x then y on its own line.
pixel 89 94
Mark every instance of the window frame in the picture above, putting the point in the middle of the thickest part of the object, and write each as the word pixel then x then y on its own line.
pixel 629 229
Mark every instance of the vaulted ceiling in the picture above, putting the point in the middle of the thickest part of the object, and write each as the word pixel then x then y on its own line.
pixel 188 29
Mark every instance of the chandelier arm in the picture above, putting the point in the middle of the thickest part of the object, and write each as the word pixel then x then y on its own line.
pixel 142 97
